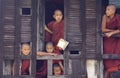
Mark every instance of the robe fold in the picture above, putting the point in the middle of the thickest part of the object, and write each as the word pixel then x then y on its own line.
pixel 112 45
pixel 25 67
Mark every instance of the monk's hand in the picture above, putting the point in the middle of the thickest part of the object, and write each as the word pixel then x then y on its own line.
pixel 108 34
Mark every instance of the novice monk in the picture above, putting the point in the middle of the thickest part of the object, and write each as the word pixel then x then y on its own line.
pixel 57 69
pixel 25 49
pixel 111 45
pixel 42 72
pixel 55 29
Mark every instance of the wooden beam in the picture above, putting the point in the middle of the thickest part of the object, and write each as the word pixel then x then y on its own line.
pixel 34 37
pixel 50 57
pixel 1 38
pixel 17 39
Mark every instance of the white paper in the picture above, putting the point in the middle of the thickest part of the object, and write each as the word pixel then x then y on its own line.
pixel 62 44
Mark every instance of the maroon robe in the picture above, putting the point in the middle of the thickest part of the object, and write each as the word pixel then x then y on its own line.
pixel 25 67
pixel 42 72
pixel 58 32
pixel 112 45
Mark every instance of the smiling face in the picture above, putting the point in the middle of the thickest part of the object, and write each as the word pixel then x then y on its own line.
pixel 58 15
pixel 25 49
pixel 110 10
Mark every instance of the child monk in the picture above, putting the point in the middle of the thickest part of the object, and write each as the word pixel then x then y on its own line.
pixel 55 29
pixel 57 69
pixel 42 73
pixel 25 49
pixel 111 45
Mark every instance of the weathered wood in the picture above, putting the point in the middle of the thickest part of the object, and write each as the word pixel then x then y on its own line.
pixel 1 39
pixel 73 30
pixel 33 37
pixel 50 57
pixel 17 39
pixel 9 26
pixel 91 33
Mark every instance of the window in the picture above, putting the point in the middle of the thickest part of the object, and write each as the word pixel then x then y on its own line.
pixel 26 11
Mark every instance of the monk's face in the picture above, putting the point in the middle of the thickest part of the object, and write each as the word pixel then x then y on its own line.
pixel 110 11
pixel 49 48
pixel 25 49
pixel 57 70
pixel 58 15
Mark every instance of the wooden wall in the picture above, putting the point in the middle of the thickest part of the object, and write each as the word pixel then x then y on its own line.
pixel 81 30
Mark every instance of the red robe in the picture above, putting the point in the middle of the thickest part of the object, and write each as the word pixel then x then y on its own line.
pixel 25 67
pixel 112 45
pixel 42 71
pixel 58 32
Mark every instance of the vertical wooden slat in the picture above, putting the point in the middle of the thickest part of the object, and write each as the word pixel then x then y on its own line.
pixel 75 34
pixel 73 30
pixel 41 23
pixel 99 38
pixel 17 39
pixel 91 33
pixel 34 37
pixel 83 30
pixel 66 60
pixel 1 39
pixel 49 68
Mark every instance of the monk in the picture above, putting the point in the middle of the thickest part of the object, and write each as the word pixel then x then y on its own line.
pixel 56 28
pixel 111 45
pixel 25 49
pixel 50 51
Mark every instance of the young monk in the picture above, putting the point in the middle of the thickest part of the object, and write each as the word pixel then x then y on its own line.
pixel 55 29
pixel 25 49
pixel 111 45
pixel 42 73
pixel 57 69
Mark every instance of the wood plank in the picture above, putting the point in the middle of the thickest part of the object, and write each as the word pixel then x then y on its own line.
pixel 34 36
pixel 1 39
pixel 17 39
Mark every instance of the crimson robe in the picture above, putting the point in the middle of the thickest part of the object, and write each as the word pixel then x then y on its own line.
pixel 42 69
pixel 58 32
pixel 25 67
pixel 112 45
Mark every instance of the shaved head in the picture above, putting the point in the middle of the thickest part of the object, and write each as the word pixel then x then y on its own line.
pixel 112 7
pixel 110 10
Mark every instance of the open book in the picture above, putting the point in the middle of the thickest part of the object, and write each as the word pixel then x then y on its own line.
pixel 62 44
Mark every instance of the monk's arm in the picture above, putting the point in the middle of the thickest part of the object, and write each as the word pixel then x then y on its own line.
pixel 48 30
pixel 104 29
pixel 61 65
pixel 45 54
pixel 114 32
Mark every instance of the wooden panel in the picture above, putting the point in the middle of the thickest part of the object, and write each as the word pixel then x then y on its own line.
pixel 25 21
pixel 1 39
pixel 73 30
pixel 25 3
pixel 26 29
pixel 9 26
pixel 115 2
pixel 91 32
